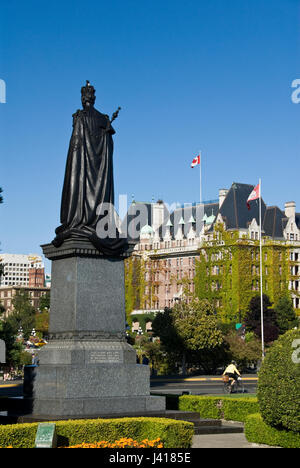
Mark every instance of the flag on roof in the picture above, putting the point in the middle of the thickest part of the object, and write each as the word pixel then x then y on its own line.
pixel 195 161
pixel 254 195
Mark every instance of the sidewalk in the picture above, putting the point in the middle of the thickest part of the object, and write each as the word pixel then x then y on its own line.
pixel 224 441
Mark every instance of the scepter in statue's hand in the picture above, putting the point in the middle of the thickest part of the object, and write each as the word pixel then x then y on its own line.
pixel 115 114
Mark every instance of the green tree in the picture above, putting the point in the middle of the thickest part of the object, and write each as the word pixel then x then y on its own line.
pixel 253 318
pixel 285 315
pixel 154 353
pixel 196 325
pixel 13 349
pixel 42 316
pixel 23 314
pixel 45 302
pixel 42 323
pixel 163 327
pixel 243 351
pixel 190 333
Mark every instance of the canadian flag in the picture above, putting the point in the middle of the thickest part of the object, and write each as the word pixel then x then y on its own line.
pixel 195 161
pixel 254 195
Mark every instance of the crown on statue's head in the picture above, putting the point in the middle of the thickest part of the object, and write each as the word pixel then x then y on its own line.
pixel 88 91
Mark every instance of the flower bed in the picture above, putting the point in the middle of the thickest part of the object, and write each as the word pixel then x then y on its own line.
pixel 122 443
pixel 173 434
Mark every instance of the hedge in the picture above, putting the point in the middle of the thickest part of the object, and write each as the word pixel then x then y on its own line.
pixel 173 434
pixel 234 409
pixel 279 384
pixel 257 431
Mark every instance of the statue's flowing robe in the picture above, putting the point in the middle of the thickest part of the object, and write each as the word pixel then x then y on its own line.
pixel 88 181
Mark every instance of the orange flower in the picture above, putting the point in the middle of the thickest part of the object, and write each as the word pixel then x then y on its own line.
pixel 122 443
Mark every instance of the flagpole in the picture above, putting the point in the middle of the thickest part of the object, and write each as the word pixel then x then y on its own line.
pixel 261 279
pixel 200 177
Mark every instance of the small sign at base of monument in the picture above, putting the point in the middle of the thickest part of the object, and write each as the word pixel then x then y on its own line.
pixel 2 352
pixel 46 436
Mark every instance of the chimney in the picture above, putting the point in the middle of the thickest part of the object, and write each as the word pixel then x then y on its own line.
pixel 222 196
pixel 158 213
pixel 290 209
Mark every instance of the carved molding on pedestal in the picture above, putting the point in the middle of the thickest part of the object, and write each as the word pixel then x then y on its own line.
pixel 78 248
pixel 87 335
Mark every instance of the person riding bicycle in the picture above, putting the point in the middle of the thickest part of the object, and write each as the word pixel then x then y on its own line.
pixel 232 372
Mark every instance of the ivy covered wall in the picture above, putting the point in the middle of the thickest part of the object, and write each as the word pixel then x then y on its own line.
pixel 140 283
pixel 228 272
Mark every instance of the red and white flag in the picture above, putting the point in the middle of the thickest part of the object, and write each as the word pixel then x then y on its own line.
pixel 195 161
pixel 254 195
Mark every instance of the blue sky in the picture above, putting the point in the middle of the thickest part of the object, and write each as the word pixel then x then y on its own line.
pixel 212 75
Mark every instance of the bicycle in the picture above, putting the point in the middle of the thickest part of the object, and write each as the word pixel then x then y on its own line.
pixel 236 387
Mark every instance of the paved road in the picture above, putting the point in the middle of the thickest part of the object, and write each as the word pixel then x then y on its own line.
pixel 201 385
pixel 224 441
pixel 11 388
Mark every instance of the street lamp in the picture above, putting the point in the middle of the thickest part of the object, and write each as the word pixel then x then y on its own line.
pixel 139 334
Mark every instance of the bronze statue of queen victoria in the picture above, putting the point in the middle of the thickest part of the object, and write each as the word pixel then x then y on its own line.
pixel 88 181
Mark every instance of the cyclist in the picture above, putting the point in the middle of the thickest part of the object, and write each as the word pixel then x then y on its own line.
pixel 232 372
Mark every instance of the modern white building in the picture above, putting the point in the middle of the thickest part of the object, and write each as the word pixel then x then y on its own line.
pixel 16 268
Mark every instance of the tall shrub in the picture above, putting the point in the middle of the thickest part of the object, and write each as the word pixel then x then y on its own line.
pixel 279 383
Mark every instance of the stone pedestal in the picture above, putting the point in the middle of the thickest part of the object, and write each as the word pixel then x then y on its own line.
pixel 87 369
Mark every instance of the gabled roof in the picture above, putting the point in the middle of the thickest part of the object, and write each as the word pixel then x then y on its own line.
pixel 273 222
pixel 234 208
pixel 236 215
pixel 191 215
pixel 233 211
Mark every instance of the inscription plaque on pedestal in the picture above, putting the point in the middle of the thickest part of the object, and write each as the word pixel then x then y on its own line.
pixel 97 357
